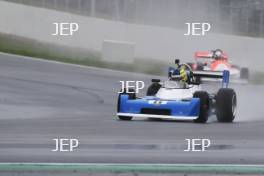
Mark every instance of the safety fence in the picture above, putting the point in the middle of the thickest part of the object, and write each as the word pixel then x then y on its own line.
pixel 240 17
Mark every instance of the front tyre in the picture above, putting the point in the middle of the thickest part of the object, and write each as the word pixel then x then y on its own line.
pixel 126 118
pixel 226 103
pixel 244 73
pixel 204 106
pixel 131 96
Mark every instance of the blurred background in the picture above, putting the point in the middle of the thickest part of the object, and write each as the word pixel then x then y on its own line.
pixel 240 17
pixel 128 34
pixel 42 100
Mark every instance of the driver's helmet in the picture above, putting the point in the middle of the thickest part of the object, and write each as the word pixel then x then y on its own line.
pixel 180 74
pixel 217 54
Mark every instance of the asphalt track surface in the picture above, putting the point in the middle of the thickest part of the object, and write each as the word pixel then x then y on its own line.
pixel 41 100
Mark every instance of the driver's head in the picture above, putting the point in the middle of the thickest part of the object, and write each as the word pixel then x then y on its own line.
pixel 180 74
pixel 218 54
pixel 183 73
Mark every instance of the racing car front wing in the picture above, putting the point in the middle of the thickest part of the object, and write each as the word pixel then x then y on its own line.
pixel 158 116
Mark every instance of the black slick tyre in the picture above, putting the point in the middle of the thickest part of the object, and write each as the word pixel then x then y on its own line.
pixel 153 89
pixel 226 103
pixel 131 96
pixel 204 106
pixel 244 73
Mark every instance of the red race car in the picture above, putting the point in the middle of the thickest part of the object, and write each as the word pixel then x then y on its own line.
pixel 217 60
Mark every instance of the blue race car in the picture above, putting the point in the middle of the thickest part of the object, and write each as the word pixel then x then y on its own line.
pixel 180 100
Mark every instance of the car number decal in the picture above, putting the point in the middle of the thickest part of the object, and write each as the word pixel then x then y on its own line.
pixel 157 102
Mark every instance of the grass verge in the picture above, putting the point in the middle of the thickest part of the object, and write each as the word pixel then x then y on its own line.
pixel 33 48
pixel 134 168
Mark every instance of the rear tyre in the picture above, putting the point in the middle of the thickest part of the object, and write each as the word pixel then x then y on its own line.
pixel 190 64
pixel 204 106
pixel 131 96
pixel 244 73
pixel 200 67
pixel 153 89
pixel 226 103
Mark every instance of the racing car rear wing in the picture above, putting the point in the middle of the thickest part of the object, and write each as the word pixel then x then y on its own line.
pixel 202 54
pixel 224 75
pixel 207 54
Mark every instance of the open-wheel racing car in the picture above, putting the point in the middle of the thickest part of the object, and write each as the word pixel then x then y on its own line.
pixel 180 100
pixel 217 60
